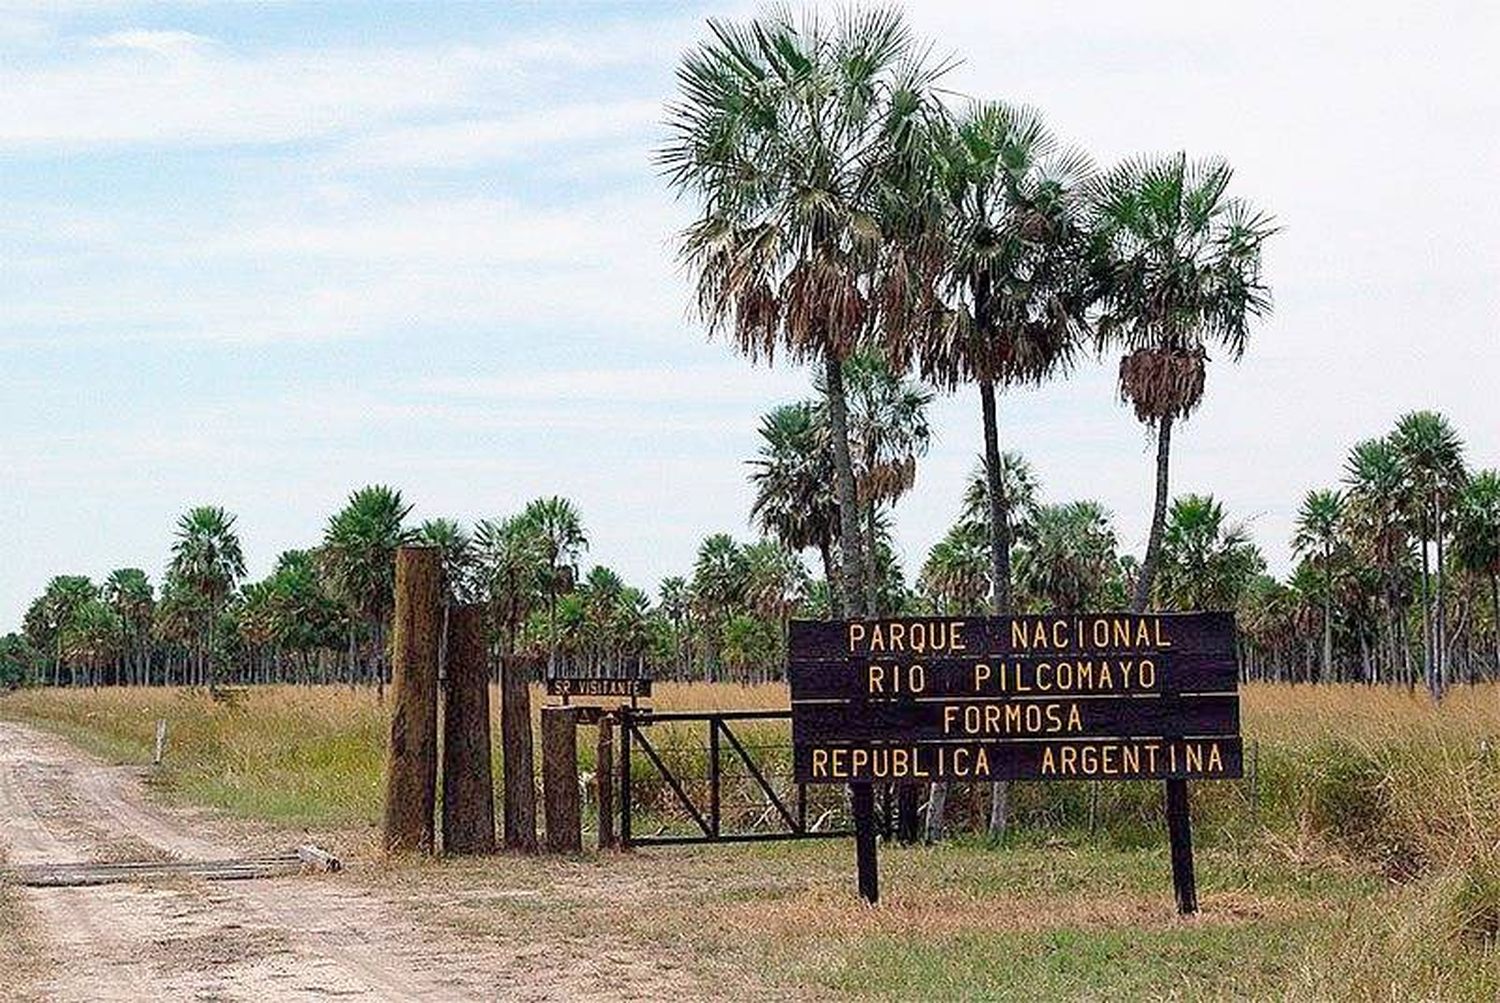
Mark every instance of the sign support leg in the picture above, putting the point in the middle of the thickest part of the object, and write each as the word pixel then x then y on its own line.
pixel 1180 833
pixel 862 797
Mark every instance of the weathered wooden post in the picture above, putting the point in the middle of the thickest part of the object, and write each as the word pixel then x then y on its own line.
pixel 468 787
pixel 411 766
pixel 560 780
pixel 1180 835
pixel 516 750
pixel 604 781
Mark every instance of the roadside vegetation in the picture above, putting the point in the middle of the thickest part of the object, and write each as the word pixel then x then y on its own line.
pixel 1358 860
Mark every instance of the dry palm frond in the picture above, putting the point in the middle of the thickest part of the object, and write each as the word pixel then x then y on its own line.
pixel 1163 382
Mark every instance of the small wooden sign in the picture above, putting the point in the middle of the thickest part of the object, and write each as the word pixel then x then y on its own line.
pixel 575 688
pixel 1088 696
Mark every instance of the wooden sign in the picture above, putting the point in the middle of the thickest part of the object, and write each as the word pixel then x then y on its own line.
pixel 1087 696
pixel 598 686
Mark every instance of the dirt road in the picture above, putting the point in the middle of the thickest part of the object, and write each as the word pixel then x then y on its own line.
pixel 300 938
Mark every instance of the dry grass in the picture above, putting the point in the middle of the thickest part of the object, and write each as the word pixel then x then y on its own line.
pixel 1359 863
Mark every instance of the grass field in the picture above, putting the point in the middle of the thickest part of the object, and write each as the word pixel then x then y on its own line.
pixel 1362 861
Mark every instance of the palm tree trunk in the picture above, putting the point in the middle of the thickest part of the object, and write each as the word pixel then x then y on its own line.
pixel 999 534
pixel 1328 617
pixel 1158 517
pixel 872 592
pixel 1440 615
pixel 1427 666
pixel 843 476
pixel 1495 617
pixel 830 573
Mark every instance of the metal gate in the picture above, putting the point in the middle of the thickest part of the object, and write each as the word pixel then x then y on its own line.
pixel 786 812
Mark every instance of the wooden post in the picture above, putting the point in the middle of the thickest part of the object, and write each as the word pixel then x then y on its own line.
pixel 1180 833
pixel 468 787
pixel 411 769
pixel 161 740
pixel 604 781
pixel 560 780
pixel 515 740
pixel 862 798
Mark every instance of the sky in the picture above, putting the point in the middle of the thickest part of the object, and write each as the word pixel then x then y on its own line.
pixel 260 255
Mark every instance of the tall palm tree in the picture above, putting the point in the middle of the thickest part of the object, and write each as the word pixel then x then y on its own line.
pixel 793 480
pixel 1179 266
pixel 1374 499
pixel 1432 459
pixel 1014 286
pixel 674 605
pixel 207 558
pixel 955 578
pixel 1020 486
pixel 776 583
pixel 721 574
pixel 789 132
pixel 1207 562
pixel 456 548
pixel 1476 540
pixel 1317 539
pixel 1066 557
pixel 359 560
pixel 51 613
pixel 515 568
pixel 129 593
pixel 559 531
pixel 888 433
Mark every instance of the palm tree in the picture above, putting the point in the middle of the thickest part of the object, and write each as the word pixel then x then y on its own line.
pixel 674 605
pixel 514 568
pixel 1019 485
pixel 888 433
pixel 1476 540
pixel 359 560
pixel 1207 563
pixel 1373 509
pixel 456 549
pixel 775 585
pixel 128 592
pixel 51 613
pixel 1179 268
pixel 91 637
pixel 793 478
pixel 789 133
pixel 956 575
pixel 1432 459
pixel 1317 540
pixel 559 531
pixel 720 576
pixel 1012 242
pixel 1066 557
pixel 207 558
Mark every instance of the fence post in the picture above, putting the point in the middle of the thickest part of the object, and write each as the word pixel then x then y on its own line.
pixel 627 722
pixel 713 776
pixel 411 768
pixel 604 781
pixel 560 780
pixel 516 750
pixel 468 787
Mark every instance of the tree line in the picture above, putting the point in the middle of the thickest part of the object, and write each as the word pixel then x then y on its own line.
pixel 1361 604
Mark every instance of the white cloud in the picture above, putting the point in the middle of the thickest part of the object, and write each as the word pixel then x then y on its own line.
pixel 471 142
pixel 159 43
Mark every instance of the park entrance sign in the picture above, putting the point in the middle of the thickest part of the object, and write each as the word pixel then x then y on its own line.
pixel 1093 696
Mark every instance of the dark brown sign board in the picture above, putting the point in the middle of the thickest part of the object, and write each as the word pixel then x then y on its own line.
pixel 1090 696
pixel 583 687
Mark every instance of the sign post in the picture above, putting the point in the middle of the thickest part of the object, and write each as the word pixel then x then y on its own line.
pixel 1089 696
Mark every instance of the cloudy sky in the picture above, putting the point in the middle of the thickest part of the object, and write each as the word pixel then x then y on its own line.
pixel 261 255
